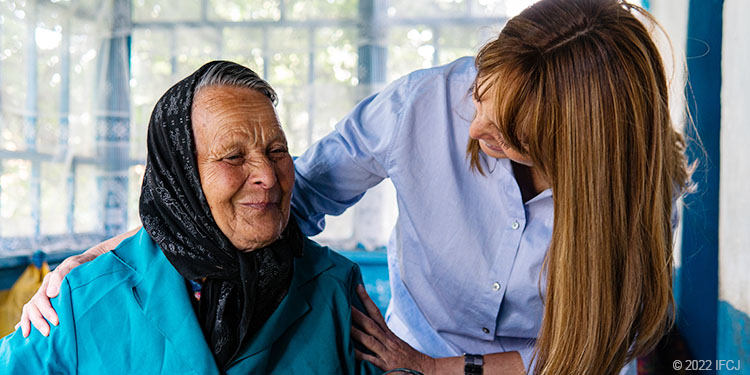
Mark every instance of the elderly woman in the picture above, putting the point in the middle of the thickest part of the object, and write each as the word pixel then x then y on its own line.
pixel 219 280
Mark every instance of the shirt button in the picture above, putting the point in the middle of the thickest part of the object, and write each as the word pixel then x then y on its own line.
pixel 515 225
pixel 486 330
pixel 496 286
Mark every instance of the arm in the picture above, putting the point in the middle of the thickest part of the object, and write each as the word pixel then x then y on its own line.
pixel 39 308
pixel 336 171
pixel 35 354
pixel 389 352
pixel 361 366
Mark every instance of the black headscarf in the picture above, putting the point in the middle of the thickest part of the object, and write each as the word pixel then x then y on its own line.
pixel 240 290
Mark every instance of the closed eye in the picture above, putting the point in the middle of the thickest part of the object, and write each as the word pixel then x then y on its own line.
pixel 234 159
pixel 278 153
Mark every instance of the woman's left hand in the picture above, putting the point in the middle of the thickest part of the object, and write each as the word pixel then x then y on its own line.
pixel 389 351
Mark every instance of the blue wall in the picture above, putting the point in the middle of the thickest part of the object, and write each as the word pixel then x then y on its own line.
pixel 733 340
pixel 697 280
pixel 374 267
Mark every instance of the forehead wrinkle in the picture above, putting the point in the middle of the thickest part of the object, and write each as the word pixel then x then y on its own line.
pixel 233 110
pixel 227 115
pixel 236 137
pixel 216 101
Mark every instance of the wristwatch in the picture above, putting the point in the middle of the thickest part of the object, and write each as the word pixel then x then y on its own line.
pixel 473 364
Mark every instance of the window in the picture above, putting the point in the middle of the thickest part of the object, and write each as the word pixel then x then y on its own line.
pixel 79 79
pixel 48 162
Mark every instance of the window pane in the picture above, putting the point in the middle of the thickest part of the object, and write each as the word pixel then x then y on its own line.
pixel 293 115
pixel 336 55
pixel 312 9
pixel 49 44
pixel 91 9
pixel 13 82
pixel 54 198
pixel 409 48
pixel 288 73
pixel 484 8
pixel 151 76
pixel 335 91
pixel 310 57
pixel 288 48
pixel 11 131
pixel 84 57
pixel 166 10
pixel 195 47
pixel 426 8
pixel 87 200
pixel 459 41
pixel 15 198
pixel 135 180
pixel 339 231
pixel 244 45
pixel 244 10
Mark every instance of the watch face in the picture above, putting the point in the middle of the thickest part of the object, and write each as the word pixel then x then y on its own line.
pixel 473 364
pixel 471 369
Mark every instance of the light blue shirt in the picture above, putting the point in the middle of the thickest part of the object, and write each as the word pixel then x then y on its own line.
pixel 466 253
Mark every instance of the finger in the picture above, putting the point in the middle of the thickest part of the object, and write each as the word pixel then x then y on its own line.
pixel 368 341
pixel 372 359
pixel 61 271
pixel 45 282
pixel 41 300
pixel 372 309
pixel 366 323
pixel 43 288
pixel 24 322
pixel 36 319
pixel 43 305
pixel 55 279
pixel 25 325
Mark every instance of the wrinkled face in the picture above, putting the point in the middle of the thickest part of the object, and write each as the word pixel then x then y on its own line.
pixel 484 130
pixel 244 164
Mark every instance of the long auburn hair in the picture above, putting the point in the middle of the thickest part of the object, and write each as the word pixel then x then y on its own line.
pixel 581 90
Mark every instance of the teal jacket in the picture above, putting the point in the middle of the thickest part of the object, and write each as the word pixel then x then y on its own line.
pixel 128 312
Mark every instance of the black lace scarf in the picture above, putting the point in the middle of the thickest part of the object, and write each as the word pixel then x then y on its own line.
pixel 240 290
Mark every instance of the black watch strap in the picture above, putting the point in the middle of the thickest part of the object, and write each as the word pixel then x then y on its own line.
pixel 473 364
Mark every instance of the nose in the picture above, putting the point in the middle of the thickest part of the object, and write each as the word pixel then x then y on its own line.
pixel 263 174
pixel 477 130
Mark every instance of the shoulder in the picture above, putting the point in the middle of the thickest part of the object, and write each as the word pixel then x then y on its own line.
pixel 115 267
pixel 421 85
pixel 326 279
pixel 457 71
pixel 326 263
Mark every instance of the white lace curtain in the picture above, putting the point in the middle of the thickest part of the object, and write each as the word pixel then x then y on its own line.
pixel 78 80
pixel 64 122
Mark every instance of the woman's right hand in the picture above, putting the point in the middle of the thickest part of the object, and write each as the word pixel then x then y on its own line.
pixel 39 308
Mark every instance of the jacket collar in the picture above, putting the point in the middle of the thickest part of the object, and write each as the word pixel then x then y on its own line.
pixel 293 307
pixel 161 293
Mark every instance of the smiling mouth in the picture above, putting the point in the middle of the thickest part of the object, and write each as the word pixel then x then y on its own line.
pixel 260 206
pixel 491 147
